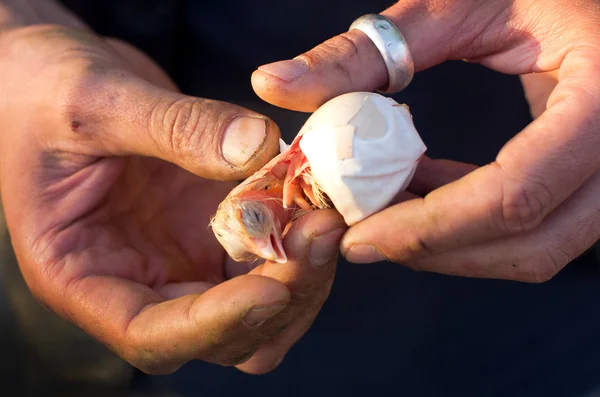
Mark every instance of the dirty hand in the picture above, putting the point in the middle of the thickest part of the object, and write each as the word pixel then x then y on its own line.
pixel 535 208
pixel 109 178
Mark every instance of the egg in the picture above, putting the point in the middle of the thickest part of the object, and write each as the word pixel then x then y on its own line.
pixel 363 149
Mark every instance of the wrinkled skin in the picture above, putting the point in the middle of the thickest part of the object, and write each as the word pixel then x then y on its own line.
pixel 535 208
pixel 109 178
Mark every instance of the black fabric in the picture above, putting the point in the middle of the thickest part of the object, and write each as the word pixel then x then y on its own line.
pixel 385 330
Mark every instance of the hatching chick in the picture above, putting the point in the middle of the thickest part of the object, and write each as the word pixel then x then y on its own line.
pixel 251 221
pixel 354 154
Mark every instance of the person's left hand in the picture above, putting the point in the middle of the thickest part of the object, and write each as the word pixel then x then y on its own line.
pixel 109 179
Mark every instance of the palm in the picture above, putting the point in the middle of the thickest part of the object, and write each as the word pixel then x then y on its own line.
pixel 148 223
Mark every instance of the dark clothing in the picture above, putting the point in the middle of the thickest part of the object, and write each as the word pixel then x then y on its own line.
pixel 385 330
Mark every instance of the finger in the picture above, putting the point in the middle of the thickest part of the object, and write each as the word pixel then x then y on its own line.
pixel 117 113
pixel 221 325
pixel 312 245
pixel 536 256
pixel 351 62
pixel 538 87
pixel 432 174
pixel 533 174
pixel 234 269
pixel 402 197
pixel 271 353
pixel 177 290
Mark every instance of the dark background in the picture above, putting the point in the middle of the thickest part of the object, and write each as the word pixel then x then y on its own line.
pixel 385 330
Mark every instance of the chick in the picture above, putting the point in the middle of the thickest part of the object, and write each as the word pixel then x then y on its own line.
pixel 249 229
pixel 250 222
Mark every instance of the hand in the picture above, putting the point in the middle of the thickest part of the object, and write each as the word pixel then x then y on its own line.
pixel 535 208
pixel 108 183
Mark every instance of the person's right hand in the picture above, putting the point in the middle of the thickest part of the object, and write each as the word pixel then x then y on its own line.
pixel 108 180
pixel 535 208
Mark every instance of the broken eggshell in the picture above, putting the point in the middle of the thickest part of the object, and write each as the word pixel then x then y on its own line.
pixel 363 149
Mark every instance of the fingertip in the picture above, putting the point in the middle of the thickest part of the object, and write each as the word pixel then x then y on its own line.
pixel 269 148
pixel 360 234
pixel 258 366
pixel 332 68
pixel 317 223
pixel 248 143
pixel 282 93
pixel 316 236
pixel 363 254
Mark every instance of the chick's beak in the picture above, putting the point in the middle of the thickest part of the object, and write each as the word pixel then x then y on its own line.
pixel 262 232
pixel 269 247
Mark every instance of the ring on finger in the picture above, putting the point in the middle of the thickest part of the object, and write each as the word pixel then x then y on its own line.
pixel 393 48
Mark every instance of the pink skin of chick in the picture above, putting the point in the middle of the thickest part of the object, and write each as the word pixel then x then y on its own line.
pixel 250 223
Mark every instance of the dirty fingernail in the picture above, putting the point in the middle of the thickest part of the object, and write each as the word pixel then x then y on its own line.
pixel 259 315
pixel 363 253
pixel 243 138
pixel 323 249
pixel 288 70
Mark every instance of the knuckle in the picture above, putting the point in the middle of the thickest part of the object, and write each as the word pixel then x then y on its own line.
pixel 341 49
pixel 71 106
pixel 305 294
pixel 87 98
pixel 178 125
pixel 342 44
pixel 412 252
pixel 524 205
pixel 544 267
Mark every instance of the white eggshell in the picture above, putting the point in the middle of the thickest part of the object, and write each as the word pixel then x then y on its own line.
pixel 363 149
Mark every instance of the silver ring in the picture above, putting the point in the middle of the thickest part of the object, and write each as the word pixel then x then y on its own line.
pixel 393 48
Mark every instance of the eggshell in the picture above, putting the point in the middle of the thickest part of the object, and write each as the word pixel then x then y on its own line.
pixel 363 149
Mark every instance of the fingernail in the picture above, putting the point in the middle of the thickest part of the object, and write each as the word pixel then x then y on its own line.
pixel 259 315
pixel 243 137
pixel 323 249
pixel 288 70
pixel 363 253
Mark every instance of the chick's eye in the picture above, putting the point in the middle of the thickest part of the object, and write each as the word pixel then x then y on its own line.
pixel 254 217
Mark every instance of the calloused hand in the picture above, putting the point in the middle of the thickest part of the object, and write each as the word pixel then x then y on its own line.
pixel 109 178
pixel 535 208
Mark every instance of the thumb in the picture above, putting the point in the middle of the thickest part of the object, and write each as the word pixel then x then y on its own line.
pixel 538 87
pixel 434 31
pixel 126 115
